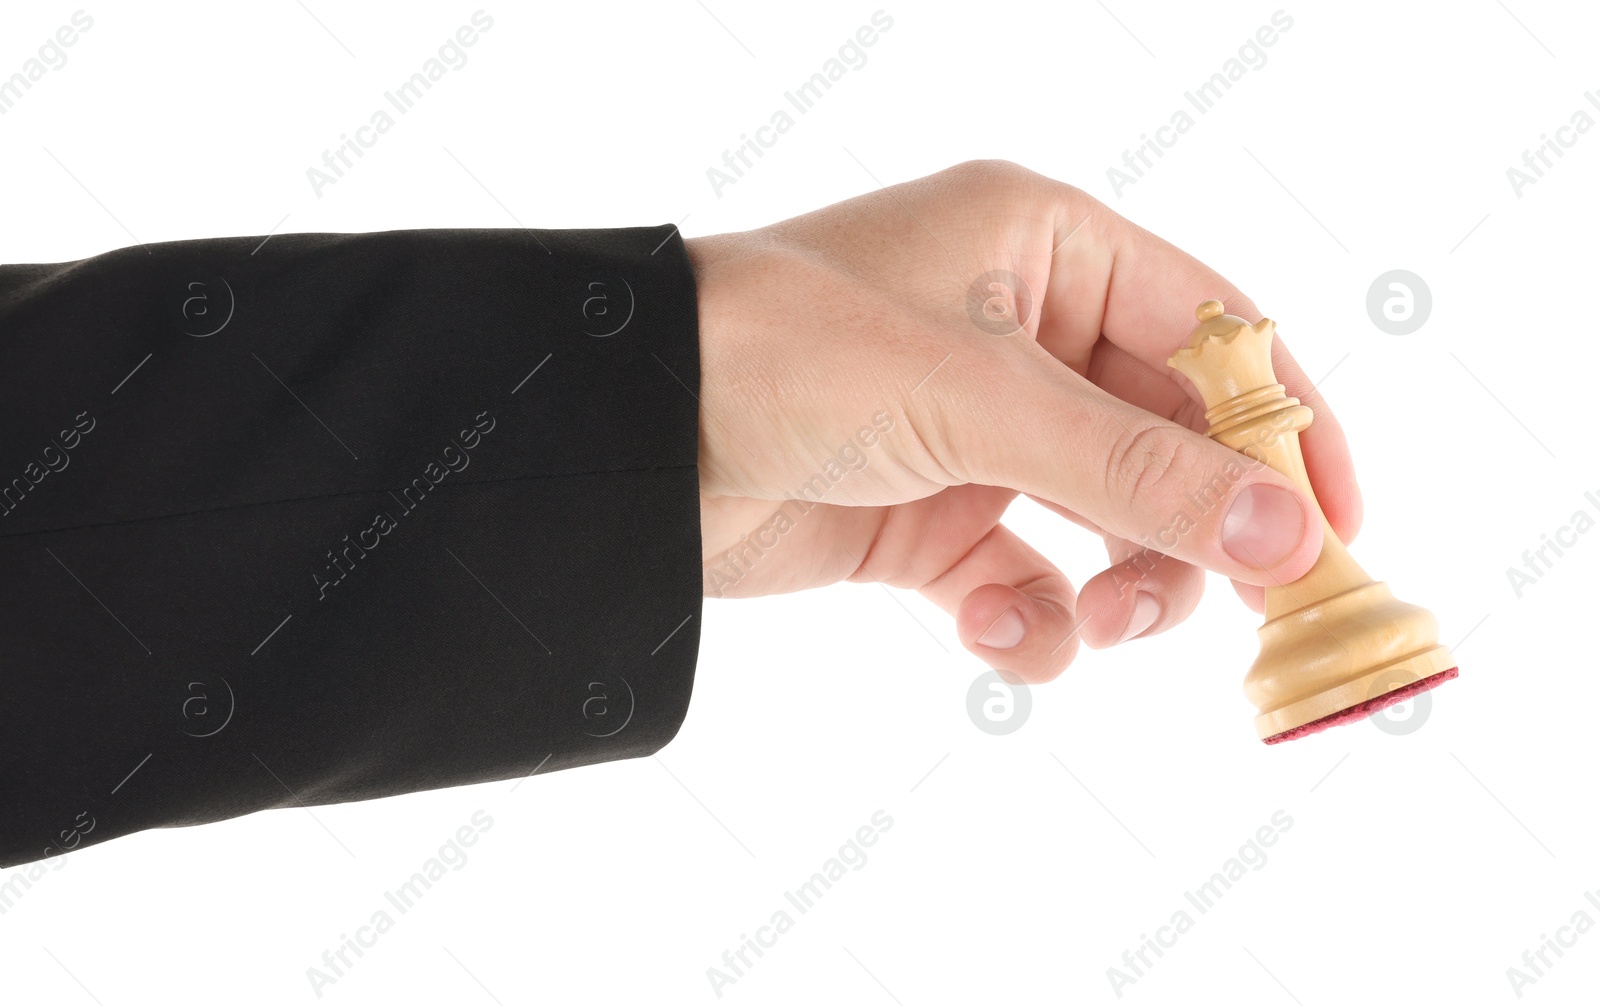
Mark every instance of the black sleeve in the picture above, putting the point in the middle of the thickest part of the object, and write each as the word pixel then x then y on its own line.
pixel 339 516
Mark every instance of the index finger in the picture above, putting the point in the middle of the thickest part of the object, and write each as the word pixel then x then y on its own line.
pixel 1151 290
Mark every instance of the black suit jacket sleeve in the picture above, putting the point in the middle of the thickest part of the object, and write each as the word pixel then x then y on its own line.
pixel 340 517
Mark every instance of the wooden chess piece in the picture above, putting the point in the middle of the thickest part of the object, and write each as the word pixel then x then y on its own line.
pixel 1336 645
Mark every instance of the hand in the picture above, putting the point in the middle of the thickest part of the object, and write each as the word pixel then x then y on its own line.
pixel 847 361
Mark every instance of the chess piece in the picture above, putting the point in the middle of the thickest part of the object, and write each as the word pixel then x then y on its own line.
pixel 1336 646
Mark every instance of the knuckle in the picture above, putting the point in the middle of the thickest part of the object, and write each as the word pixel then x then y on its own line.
pixel 1011 184
pixel 1145 463
pixel 989 174
pixel 1075 198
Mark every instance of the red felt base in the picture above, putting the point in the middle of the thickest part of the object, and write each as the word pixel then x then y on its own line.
pixel 1364 709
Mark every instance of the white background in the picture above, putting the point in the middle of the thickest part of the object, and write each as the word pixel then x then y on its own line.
pixel 1418 868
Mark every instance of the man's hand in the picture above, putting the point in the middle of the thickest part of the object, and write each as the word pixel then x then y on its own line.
pixel 881 378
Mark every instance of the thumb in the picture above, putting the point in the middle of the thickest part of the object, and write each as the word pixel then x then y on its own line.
pixel 1036 426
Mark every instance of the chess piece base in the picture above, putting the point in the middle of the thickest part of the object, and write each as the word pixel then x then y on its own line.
pixel 1360 697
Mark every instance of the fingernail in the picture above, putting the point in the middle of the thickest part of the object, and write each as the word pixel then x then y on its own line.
pixel 1006 631
pixel 1264 524
pixel 1146 610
